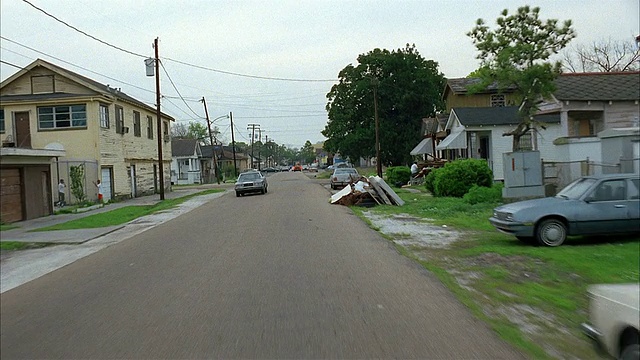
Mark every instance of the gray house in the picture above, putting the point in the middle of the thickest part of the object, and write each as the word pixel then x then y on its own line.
pixel 185 162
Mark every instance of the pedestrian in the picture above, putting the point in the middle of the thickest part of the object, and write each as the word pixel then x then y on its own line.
pixel 99 186
pixel 414 169
pixel 61 190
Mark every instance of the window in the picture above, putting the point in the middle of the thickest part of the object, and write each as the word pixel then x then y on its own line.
pixel 525 142
pixel 136 123
pixel 1 120
pixel 149 127
pixel 165 131
pixel 61 117
pixel 498 100
pixel 104 116
pixel 119 120
pixel 42 84
pixel 612 190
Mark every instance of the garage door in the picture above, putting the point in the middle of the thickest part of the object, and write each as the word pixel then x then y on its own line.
pixel 106 184
pixel 10 195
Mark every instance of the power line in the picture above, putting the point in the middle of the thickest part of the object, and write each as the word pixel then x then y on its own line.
pixel 174 86
pixel 84 33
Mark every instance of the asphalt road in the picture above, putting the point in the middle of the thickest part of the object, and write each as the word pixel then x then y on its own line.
pixel 281 275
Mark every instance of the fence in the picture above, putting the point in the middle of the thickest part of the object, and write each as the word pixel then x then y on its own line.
pixel 558 174
pixel 79 177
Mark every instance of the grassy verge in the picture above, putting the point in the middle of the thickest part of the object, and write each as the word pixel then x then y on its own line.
pixel 533 297
pixel 16 245
pixel 4 227
pixel 122 215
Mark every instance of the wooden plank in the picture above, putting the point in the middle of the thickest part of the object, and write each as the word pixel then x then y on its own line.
pixel 387 189
pixel 379 190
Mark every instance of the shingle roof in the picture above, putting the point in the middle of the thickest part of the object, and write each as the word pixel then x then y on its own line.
pixel 183 147
pixel 475 116
pixel 460 85
pixel 598 86
pixel 227 152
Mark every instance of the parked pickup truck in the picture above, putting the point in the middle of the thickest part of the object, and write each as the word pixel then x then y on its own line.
pixel 615 319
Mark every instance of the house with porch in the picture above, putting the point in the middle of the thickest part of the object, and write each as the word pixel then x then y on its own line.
pixel 225 164
pixel 56 123
pixel 185 162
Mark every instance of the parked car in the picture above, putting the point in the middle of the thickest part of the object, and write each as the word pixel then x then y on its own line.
pixel 614 320
pixel 251 182
pixel 296 168
pixel 270 169
pixel 591 205
pixel 343 176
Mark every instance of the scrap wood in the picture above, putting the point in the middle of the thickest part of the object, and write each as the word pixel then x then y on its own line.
pixel 377 181
pixel 380 192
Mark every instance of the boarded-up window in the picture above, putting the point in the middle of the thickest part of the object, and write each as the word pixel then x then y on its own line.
pixel 149 127
pixel 136 123
pixel 42 84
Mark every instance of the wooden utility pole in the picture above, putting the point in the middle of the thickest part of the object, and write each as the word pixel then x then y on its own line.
pixel 252 127
pixel 159 116
pixel 375 111
pixel 233 146
pixel 213 145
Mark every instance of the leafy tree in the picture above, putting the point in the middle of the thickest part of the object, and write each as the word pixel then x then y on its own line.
pixel 408 89
pixel 516 55
pixel 602 56
pixel 198 131
pixel 308 153
pixel 77 182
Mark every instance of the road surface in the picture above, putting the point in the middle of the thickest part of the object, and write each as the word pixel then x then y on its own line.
pixel 281 275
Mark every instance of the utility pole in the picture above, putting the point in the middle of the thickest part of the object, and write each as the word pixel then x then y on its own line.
pixel 233 146
pixel 260 148
pixel 252 127
pixel 213 145
pixel 374 82
pixel 159 116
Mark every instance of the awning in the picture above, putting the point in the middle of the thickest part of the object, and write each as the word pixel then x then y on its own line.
pixel 424 147
pixel 455 140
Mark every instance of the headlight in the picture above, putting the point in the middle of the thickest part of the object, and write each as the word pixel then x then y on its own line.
pixel 508 216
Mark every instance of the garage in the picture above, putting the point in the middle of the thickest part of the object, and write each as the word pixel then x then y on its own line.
pixel 10 195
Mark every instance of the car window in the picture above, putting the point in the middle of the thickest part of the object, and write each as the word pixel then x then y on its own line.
pixel 610 190
pixel 346 171
pixel 249 177
pixel 634 189
pixel 576 189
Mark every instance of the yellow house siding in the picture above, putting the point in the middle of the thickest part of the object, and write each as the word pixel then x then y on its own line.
pixel 23 84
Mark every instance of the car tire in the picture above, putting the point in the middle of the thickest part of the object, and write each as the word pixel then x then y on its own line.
pixel 529 240
pixel 630 352
pixel 263 191
pixel 551 232
pixel 237 194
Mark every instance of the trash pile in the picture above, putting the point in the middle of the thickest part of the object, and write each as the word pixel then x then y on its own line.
pixel 367 192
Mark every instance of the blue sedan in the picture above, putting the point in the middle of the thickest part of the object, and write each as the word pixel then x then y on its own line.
pixel 591 205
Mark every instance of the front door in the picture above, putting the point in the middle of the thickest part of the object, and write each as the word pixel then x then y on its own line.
pixel 23 130
pixel 107 186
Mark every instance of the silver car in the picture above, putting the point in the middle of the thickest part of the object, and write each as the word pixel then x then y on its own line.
pixel 251 182
pixel 591 205
pixel 343 176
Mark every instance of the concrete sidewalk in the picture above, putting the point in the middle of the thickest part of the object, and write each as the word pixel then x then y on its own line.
pixel 18 267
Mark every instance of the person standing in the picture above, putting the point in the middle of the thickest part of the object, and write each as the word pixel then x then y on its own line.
pixel 98 184
pixel 61 189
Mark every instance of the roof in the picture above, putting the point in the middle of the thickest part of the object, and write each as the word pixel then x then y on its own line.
pixel 508 115
pixel 183 147
pixel 460 86
pixel 227 152
pixel 618 86
pixel 94 85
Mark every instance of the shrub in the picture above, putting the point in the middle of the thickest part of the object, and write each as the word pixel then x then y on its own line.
pixel 398 175
pixel 429 181
pixel 457 177
pixel 77 182
pixel 480 194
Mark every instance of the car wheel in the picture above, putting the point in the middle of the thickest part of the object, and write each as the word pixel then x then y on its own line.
pixel 266 189
pixel 551 232
pixel 263 191
pixel 526 239
pixel 630 352
pixel 237 194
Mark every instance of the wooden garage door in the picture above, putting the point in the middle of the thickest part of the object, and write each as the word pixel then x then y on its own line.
pixel 10 196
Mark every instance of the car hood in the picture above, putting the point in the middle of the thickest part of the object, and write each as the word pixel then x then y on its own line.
pixel 627 294
pixel 548 203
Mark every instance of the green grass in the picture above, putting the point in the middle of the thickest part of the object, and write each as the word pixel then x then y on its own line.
pixel 122 215
pixel 4 227
pixel 17 245
pixel 508 274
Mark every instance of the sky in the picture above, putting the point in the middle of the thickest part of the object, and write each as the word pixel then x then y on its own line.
pixel 268 62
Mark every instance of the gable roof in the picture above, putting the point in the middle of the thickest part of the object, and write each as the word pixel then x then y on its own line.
pixel 105 90
pixel 604 86
pixel 459 87
pixel 183 147
pixel 487 116
pixel 227 152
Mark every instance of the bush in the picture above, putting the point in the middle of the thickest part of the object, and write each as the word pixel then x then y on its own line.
pixel 398 175
pixel 457 177
pixel 429 181
pixel 480 194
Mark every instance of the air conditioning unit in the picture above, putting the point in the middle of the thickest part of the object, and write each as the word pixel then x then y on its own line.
pixel 125 130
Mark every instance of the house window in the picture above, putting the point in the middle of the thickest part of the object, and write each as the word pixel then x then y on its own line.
pixel 1 120
pixel 104 116
pixel 136 123
pixel 585 127
pixel 61 117
pixel 42 84
pixel 165 131
pixel 498 100
pixel 149 127
pixel 119 120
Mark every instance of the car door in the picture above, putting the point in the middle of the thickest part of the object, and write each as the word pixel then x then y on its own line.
pixel 605 210
pixel 633 204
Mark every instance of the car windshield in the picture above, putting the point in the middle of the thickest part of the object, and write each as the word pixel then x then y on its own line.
pixel 576 189
pixel 249 177
pixel 346 171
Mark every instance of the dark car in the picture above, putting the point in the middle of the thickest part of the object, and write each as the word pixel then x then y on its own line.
pixel 591 205
pixel 251 182
pixel 270 169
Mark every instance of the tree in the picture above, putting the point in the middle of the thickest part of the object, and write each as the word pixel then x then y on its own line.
pixel 198 131
pixel 516 55
pixel 307 153
pixel 408 89
pixel 602 56
pixel 179 130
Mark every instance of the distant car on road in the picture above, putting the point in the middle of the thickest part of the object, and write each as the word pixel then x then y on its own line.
pixel 251 182
pixel 296 168
pixel 614 319
pixel 343 176
pixel 591 205
pixel 270 169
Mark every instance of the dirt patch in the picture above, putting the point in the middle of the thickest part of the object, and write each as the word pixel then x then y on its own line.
pixel 410 231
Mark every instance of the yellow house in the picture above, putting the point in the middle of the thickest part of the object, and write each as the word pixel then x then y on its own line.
pixel 69 124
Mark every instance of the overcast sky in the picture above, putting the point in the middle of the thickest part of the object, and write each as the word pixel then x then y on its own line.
pixel 297 39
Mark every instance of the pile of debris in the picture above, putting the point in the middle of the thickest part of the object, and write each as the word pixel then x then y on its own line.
pixel 367 192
